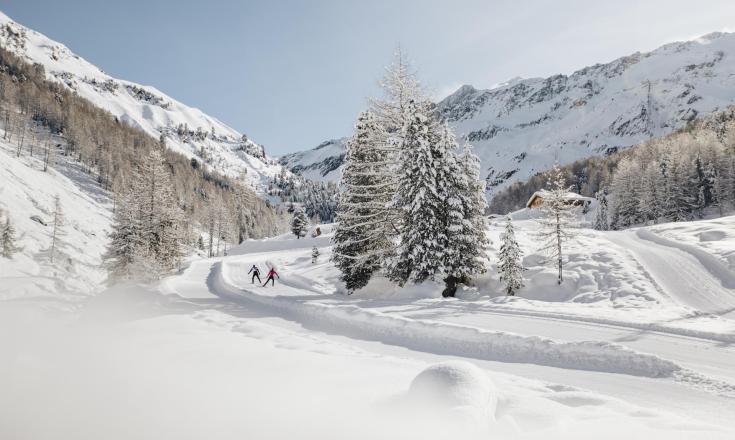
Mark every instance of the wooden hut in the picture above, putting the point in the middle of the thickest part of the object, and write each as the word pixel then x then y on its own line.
pixel 570 198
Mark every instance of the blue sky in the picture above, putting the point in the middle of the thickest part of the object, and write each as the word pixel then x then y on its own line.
pixel 291 74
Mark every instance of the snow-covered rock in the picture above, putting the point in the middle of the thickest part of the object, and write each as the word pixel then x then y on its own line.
pixel 522 126
pixel 325 162
pixel 186 130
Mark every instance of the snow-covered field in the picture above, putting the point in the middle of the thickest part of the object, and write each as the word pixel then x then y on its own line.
pixel 615 351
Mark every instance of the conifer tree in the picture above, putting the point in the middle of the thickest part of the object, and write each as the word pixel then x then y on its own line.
pixel 58 223
pixel 147 230
pixel 511 265
pixel 361 242
pixel 7 239
pixel 299 222
pixel 420 252
pixel 625 189
pixel 126 240
pixel 678 201
pixel 556 221
pixel 160 213
pixel 400 88
pixel 463 194
pixel 601 215
pixel 648 193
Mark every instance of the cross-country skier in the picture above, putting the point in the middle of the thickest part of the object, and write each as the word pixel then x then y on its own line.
pixel 256 274
pixel 314 254
pixel 271 274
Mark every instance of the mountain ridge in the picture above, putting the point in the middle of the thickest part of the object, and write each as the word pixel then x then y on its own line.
pixel 522 126
pixel 186 130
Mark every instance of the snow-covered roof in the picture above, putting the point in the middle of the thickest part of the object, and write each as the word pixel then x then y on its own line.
pixel 570 196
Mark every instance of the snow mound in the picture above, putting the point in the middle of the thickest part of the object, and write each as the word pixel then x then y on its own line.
pixel 454 384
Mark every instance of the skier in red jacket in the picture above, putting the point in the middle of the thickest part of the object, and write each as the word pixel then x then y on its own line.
pixel 271 274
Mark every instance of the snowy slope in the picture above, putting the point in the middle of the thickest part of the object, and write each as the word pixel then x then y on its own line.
pixel 26 191
pixel 523 126
pixel 186 130
pixel 323 163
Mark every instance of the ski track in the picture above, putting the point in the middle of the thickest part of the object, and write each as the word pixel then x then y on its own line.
pixel 686 275
pixel 226 280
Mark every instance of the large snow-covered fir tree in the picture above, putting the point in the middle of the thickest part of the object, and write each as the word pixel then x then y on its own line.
pixel 510 266
pixel 463 195
pixel 147 230
pixel 556 221
pixel 360 239
pixel 420 251
pixel 299 222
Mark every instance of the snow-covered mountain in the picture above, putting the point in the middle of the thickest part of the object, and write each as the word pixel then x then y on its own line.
pixel 521 127
pixel 321 163
pixel 185 129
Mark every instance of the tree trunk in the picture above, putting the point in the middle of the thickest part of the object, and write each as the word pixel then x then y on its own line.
pixel 451 286
pixel 558 244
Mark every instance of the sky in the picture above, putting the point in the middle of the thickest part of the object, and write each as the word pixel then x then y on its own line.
pixel 291 74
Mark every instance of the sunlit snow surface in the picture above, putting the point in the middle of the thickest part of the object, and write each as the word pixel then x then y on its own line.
pixel 207 354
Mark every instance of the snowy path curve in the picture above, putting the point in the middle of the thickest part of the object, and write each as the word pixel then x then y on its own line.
pixel 226 280
pixel 682 276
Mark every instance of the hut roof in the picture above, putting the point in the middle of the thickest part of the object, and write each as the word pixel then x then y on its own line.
pixel 569 196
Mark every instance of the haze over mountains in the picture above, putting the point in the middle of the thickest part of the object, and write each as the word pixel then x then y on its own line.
pixel 522 127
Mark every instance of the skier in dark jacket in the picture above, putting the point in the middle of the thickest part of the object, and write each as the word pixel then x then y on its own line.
pixel 271 274
pixel 256 274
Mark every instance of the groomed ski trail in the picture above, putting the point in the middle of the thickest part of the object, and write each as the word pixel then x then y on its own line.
pixel 680 274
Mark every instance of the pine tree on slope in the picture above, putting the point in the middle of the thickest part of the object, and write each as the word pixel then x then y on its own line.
pixel 678 200
pixel 57 230
pixel 146 237
pixel 511 266
pixel 299 222
pixel 159 210
pixel 650 182
pixel 7 239
pixel 556 221
pixel 360 239
pixel 625 195
pixel 125 239
pixel 420 252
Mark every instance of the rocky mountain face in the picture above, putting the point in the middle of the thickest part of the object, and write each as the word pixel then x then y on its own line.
pixel 184 129
pixel 523 126
pixel 323 163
